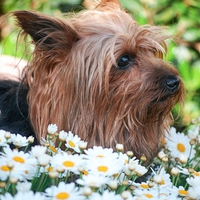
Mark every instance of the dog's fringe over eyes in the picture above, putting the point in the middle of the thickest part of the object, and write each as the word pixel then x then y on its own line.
pixel 102 76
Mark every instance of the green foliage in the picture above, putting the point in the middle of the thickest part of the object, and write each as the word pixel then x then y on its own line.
pixel 181 18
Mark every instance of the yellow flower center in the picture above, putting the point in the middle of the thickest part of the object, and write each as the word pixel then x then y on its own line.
pixel 181 147
pixel 68 163
pixel 71 144
pixel 4 168
pixel 62 195
pixel 144 186
pixel 196 173
pixel 85 172
pixel 149 196
pixel 18 159
pixel 50 169
pixel 53 149
pixel 100 156
pixel 183 192
pixel 102 168
pixel 162 182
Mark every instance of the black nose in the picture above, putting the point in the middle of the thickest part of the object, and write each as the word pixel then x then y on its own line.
pixel 172 83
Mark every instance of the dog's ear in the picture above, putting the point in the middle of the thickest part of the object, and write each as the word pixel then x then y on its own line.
pixel 47 32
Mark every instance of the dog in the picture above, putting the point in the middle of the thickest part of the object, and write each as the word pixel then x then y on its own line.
pixel 98 74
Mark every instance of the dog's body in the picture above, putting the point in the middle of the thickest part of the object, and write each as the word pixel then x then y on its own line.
pixel 98 74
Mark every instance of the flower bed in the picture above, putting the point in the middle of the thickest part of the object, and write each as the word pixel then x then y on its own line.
pixel 47 172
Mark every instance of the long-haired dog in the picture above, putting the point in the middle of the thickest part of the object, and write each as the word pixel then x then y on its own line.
pixel 99 74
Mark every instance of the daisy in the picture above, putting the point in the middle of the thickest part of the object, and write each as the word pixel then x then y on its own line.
pixel 178 144
pixel 105 196
pixel 105 166
pixel 193 192
pixel 64 191
pixel 23 195
pixel 38 150
pixel 67 162
pixel 93 180
pixel 52 129
pixel 18 140
pixel 100 152
pixel 3 141
pixel 73 141
pixel 23 163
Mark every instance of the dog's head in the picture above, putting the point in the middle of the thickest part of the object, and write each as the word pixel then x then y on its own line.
pixel 101 75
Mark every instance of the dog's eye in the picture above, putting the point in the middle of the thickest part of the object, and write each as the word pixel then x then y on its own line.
pixel 124 62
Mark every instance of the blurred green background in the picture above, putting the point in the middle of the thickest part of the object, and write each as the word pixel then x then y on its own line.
pixel 182 17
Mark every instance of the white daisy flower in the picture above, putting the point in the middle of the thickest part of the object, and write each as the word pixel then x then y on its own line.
pixel 105 166
pixel 38 151
pixel 67 162
pixel 3 141
pixel 18 140
pixel 193 181
pixel 178 144
pixel 73 141
pixel 193 192
pixel 62 135
pixel 64 191
pixel 23 195
pixel 105 196
pixel 93 180
pixel 100 152
pixel 146 194
pixel 52 129
pixel 182 192
pixel 23 163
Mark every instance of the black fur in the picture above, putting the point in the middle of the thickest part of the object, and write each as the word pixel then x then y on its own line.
pixel 14 115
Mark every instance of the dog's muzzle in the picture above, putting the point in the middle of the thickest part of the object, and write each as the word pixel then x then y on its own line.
pixel 172 84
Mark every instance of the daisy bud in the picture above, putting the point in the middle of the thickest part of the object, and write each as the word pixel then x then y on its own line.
pixel 131 166
pixel 52 129
pixel 125 183
pixel 190 170
pixel 125 194
pixel 143 158
pixel 13 180
pixel 62 136
pixel 60 169
pixel 183 158
pixel 119 147
pixel 87 191
pixel 140 170
pixel 10 164
pixel 165 159
pixel 2 184
pixel 31 139
pixel 161 155
pixel 82 145
pixel 174 171
pixel 53 174
pixel 113 184
pixel 7 135
pixel 150 184
pixel 192 142
pixel 157 179
pixel 129 154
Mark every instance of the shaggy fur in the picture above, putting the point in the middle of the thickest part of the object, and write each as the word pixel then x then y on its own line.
pixel 99 74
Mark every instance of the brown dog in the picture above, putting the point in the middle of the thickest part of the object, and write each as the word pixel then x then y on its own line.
pixel 102 76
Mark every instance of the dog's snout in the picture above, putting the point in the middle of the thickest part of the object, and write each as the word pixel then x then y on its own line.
pixel 172 83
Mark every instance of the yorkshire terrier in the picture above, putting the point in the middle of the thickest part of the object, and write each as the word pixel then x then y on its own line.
pixel 98 74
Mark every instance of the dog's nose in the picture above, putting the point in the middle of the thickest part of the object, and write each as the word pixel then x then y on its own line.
pixel 172 83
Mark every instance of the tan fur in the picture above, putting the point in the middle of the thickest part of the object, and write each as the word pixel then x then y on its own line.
pixel 74 83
